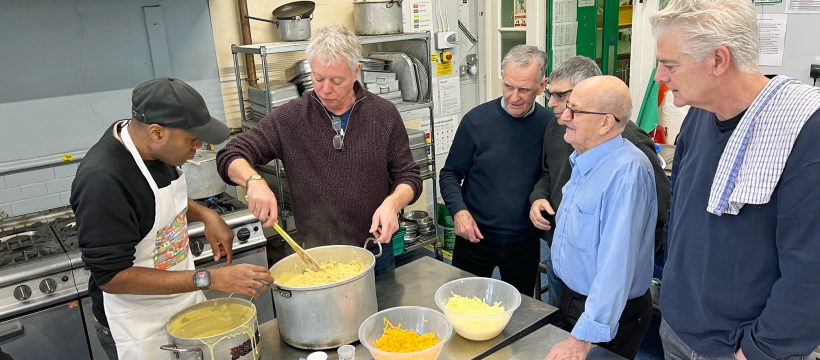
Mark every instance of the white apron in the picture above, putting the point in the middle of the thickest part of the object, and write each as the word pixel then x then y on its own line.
pixel 137 322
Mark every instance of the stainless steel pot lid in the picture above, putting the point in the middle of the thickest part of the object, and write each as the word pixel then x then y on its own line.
pixel 294 10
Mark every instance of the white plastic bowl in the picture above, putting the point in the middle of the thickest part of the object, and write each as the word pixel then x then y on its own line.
pixel 479 328
pixel 420 319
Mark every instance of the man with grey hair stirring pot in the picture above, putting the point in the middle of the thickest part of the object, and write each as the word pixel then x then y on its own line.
pixel 345 150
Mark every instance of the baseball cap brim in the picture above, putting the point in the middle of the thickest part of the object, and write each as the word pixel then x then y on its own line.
pixel 213 132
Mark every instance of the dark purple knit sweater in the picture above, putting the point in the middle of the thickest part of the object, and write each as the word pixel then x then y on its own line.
pixel 335 193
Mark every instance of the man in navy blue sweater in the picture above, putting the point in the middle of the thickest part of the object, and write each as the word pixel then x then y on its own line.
pixel 496 153
pixel 742 278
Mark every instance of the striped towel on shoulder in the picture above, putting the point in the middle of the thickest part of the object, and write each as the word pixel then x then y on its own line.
pixel 756 154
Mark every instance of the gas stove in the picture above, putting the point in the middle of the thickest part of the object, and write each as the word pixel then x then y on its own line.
pixel 247 228
pixel 66 230
pixel 34 268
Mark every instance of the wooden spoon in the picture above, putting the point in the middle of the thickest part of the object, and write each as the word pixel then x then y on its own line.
pixel 310 261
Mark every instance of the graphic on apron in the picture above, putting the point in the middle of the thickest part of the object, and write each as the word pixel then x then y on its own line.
pixel 171 244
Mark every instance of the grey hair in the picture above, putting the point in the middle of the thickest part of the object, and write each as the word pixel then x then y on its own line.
pixel 333 44
pixel 706 24
pixel 522 55
pixel 575 70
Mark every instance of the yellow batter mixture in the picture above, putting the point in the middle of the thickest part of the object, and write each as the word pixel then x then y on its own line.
pixel 328 272
pixel 210 320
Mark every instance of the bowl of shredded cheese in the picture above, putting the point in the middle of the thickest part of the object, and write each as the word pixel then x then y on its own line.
pixel 405 332
pixel 478 308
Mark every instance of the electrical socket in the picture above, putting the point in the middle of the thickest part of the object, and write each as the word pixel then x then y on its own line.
pixel 445 40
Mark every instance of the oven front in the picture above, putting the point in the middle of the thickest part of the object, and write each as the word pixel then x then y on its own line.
pixel 55 332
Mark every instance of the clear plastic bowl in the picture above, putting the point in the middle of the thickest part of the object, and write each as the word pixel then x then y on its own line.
pixel 479 328
pixel 420 319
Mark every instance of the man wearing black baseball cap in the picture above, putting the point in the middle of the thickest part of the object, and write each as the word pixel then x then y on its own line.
pixel 130 201
pixel 172 103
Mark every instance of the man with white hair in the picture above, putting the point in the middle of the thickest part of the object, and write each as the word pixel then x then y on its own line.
pixel 604 237
pixel 345 150
pixel 742 278
pixel 490 171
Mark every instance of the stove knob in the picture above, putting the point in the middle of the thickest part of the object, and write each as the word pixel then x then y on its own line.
pixel 48 286
pixel 196 247
pixel 22 292
pixel 243 235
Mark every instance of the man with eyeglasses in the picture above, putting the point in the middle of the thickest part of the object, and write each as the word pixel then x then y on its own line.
pixel 490 171
pixel 546 196
pixel 604 237
pixel 345 152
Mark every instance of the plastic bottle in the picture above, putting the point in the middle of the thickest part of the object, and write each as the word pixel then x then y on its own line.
pixel 347 352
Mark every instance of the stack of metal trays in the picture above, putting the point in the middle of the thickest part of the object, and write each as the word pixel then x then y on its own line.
pixel 280 93
pixel 303 83
pixel 299 74
pixel 373 64
pixel 411 74
pixel 268 173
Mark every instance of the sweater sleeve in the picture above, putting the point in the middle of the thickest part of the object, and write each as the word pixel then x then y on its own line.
pixel 108 246
pixel 789 325
pixel 541 188
pixel 455 169
pixel 645 144
pixel 258 145
pixel 401 166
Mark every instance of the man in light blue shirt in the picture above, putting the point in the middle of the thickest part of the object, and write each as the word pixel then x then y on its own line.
pixel 604 238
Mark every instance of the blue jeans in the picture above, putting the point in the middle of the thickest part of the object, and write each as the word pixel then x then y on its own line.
pixel 554 293
pixel 675 349
pixel 386 262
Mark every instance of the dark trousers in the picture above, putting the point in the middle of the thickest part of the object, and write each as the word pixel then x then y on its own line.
pixel 632 325
pixel 386 262
pixel 106 340
pixel 518 264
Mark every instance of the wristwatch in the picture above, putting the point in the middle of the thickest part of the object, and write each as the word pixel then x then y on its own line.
pixel 202 279
pixel 252 178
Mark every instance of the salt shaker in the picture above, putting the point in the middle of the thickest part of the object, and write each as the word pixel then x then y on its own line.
pixel 317 355
pixel 346 352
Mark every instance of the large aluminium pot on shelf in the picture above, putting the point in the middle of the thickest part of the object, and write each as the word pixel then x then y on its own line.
pixel 293 20
pixel 377 17
pixel 325 316
pixel 201 176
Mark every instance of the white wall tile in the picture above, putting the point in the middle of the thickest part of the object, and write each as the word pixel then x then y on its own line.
pixel 10 195
pixel 64 171
pixel 36 204
pixel 65 197
pixel 33 190
pixel 30 177
pixel 59 185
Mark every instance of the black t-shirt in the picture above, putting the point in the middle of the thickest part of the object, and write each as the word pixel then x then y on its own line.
pixel 114 209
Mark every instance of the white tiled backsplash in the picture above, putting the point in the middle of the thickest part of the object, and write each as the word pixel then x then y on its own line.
pixel 35 190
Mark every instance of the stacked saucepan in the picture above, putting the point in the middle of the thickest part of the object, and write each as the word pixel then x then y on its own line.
pixel 418 224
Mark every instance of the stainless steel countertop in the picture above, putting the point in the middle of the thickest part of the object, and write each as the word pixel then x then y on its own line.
pixel 415 284
pixel 537 345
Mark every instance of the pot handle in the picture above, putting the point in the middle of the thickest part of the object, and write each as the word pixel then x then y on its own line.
pixel 282 292
pixel 261 19
pixel 173 348
pixel 375 242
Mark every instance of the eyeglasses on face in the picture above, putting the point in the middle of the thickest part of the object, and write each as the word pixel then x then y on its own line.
pixel 338 139
pixel 572 111
pixel 559 95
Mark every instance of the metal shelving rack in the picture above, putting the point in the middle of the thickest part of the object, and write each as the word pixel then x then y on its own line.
pixel 414 44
